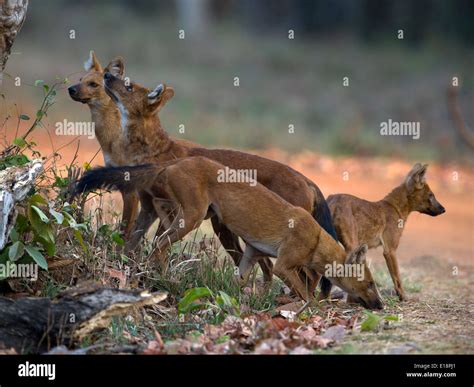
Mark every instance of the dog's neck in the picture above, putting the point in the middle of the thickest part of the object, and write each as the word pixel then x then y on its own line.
pixel 397 199
pixel 327 252
pixel 154 139
pixel 106 118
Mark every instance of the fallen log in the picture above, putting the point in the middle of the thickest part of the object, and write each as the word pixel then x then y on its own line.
pixel 35 325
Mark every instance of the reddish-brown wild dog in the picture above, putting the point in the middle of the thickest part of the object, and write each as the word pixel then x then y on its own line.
pixel 381 223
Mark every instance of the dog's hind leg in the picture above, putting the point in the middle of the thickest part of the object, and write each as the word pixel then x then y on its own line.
pixel 231 244
pixel 145 219
pixel 250 257
pixel 130 212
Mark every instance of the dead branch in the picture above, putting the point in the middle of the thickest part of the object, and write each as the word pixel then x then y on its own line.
pixel 15 183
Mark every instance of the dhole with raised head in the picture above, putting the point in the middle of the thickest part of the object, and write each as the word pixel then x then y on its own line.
pixel 381 223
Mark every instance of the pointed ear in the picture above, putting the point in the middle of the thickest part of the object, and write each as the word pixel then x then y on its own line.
pixel 116 67
pixel 160 96
pixel 357 255
pixel 416 178
pixel 92 63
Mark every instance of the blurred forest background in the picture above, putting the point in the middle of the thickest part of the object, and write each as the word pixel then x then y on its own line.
pixel 282 81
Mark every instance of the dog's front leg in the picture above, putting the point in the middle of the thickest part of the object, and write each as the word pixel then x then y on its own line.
pixel 392 264
pixel 290 276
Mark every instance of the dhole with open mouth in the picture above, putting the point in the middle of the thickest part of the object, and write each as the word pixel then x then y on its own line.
pixel 266 222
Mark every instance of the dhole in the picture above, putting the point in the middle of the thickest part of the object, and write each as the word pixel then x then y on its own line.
pixel 381 223
pixel 149 143
pixel 266 222
pixel 106 117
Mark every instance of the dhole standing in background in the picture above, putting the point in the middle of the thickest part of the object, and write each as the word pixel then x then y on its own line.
pixel 381 223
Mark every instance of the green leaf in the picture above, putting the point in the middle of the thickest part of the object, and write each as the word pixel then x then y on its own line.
pixel 104 229
pixel 371 322
pixel 69 219
pixel 14 236
pixel 124 258
pixel 15 160
pixel 223 339
pixel 38 199
pixel 41 214
pixel 16 251
pixel 227 303
pixel 47 243
pixel 46 88
pixel 187 303
pixel 39 82
pixel 22 225
pixel 390 318
pixel 19 142
pixel 34 253
pixel 117 239
pixel 79 238
pixel 61 182
pixel 24 117
pixel 57 216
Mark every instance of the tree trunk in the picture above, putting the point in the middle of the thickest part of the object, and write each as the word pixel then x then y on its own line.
pixel 12 16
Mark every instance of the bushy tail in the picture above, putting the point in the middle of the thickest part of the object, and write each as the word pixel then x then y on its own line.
pixel 124 179
pixel 322 215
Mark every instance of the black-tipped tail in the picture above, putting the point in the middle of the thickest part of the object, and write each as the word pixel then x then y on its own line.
pixel 322 215
pixel 124 179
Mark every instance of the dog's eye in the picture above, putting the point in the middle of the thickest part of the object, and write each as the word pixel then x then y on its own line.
pixel 129 88
pixel 93 84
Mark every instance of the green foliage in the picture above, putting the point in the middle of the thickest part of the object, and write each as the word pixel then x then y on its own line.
pixel 372 321
pixel 34 234
pixel 39 219
pixel 220 304
pixel 13 161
